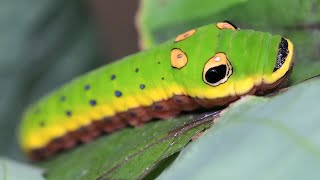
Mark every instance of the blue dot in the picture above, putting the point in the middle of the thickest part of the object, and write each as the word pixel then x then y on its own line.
pixel 118 93
pixel 87 87
pixel 93 102
pixel 142 86
pixel 113 77
pixel 158 107
pixel 42 124
pixel 68 113
pixel 62 98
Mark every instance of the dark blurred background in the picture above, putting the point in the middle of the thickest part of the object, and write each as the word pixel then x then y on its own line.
pixel 46 43
pixel 116 23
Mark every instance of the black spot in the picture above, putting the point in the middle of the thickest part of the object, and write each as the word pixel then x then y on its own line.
pixel 137 70
pixel 215 74
pixel 86 87
pixel 93 102
pixel 113 77
pixel 42 124
pixel 62 98
pixel 69 113
pixel 158 62
pixel 118 93
pixel 162 78
pixel 142 86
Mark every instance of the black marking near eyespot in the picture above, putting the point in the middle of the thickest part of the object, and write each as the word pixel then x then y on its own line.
pixel 118 93
pixel 87 87
pixel 137 70
pixel 93 102
pixel 69 113
pixel 142 86
pixel 232 24
pixel 62 98
pixel 113 77
pixel 282 54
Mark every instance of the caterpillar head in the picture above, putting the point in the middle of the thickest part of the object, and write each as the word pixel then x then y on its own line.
pixel 222 60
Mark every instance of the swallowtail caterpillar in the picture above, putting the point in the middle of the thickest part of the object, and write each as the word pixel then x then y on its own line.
pixel 210 66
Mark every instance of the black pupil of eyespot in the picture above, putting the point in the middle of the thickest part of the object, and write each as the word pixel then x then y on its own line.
pixel 215 74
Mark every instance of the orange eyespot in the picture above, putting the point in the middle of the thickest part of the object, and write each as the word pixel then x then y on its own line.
pixel 226 25
pixel 217 70
pixel 185 35
pixel 178 58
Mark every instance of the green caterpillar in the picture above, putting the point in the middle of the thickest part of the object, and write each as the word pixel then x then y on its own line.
pixel 205 67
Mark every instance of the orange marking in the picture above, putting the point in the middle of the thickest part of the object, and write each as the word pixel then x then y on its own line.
pixel 225 25
pixel 178 58
pixel 185 35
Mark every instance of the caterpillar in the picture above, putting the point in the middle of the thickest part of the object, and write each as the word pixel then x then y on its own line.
pixel 205 67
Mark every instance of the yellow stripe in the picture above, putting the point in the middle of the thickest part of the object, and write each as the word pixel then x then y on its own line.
pixel 41 137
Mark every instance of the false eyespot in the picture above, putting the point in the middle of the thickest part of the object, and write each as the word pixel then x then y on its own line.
pixel 217 70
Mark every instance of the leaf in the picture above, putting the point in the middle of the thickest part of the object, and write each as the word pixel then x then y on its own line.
pixel 11 170
pixel 131 153
pixel 42 46
pixel 174 13
pixel 294 19
pixel 258 138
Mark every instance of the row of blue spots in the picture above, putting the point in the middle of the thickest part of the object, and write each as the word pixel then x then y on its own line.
pixel 117 93
pixel 93 102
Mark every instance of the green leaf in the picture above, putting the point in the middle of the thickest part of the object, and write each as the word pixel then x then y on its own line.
pixel 43 44
pixel 174 13
pixel 11 170
pixel 131 153
pixel 258 138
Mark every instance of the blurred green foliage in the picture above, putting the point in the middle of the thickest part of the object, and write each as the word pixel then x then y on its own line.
pixel 43 44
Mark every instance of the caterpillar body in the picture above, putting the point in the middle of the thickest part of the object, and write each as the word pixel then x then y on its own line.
pixel 210 66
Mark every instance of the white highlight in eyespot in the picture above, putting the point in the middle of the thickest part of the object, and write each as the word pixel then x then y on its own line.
pixel 217 59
